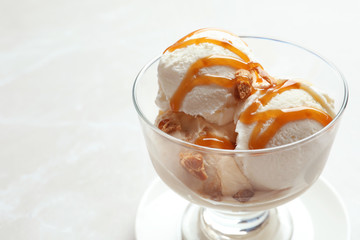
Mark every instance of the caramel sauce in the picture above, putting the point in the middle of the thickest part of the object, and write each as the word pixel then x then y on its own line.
pixel 193 79
pixel 259 137
pixel 281 117
pixel 223 43
pixel 199 31
pixel 212 141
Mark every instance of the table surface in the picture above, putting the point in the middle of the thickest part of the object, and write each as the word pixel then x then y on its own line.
pixel 73 163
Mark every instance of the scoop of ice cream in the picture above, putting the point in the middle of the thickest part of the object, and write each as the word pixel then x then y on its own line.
pixel 213 102
pixel 287 168
pixel 292 131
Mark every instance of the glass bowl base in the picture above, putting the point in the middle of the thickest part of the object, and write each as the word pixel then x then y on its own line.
pixel 277 224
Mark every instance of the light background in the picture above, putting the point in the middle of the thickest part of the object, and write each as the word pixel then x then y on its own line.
pixel 73 164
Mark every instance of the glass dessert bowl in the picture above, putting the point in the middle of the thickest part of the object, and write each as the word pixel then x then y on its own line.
pixel 234 193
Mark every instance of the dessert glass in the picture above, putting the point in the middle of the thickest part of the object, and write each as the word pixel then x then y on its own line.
pixel 211 216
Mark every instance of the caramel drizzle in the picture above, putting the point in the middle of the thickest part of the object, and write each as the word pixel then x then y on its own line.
pixel 193 79
pixel 280 117
pixel 223 43
pixel 213 141
pixel 199 31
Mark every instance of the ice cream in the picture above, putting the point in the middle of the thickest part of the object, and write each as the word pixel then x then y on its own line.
pixel 201 54
pixel 294 113
pixel 213 93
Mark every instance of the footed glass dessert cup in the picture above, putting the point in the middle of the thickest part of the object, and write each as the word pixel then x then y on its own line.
pixel 269 177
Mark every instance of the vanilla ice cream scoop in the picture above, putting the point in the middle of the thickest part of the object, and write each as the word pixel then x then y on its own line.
pixel 280 118
pixel 184 63
pixel 285 117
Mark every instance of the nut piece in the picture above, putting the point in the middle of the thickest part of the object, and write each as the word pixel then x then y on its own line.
pixel 194 164
pixel 243 195
pixel 244 80
pixel 168 122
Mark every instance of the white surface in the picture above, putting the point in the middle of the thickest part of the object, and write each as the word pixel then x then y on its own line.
pixel 73 164
pixel 318 214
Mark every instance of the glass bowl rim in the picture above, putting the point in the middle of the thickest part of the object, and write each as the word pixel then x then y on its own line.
pixel 247 151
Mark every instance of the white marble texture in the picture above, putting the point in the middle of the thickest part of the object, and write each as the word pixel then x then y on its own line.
pixel 73 164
